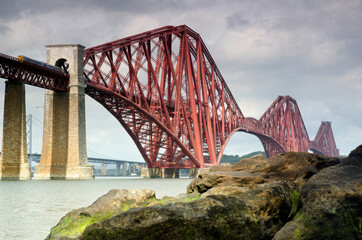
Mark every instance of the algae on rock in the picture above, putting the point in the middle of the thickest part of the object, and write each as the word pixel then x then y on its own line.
pixel 288 196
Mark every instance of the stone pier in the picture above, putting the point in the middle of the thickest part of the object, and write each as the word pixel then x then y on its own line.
pixel 14 163
pixel 194 172
pixel 64 151
pixel 159 173
pixel 118 169
pixel 124 169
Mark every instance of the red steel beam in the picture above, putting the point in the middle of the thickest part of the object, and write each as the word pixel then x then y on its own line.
pixel 165 89
pixel 169 73
pixel 172 99
pixel 283 122
pixel 32 74
pixel 324 141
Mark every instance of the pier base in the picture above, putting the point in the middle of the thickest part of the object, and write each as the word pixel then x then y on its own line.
pixel 14 164
pixel 63 172
pixel 15 171
pixel 159 173
pixel 194 172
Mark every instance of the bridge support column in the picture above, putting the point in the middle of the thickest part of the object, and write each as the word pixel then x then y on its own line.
pixel 194 172
pixel 171 173
pixel 64 152
pixel 14 163
pixel 132 168
pixel 124 169
pixel 159 173
pixel 118 169
pixel 104 169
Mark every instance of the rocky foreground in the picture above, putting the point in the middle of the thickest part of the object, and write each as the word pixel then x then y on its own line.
pixel 289 196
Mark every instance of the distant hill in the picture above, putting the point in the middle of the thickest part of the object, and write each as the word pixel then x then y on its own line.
pixel 236 158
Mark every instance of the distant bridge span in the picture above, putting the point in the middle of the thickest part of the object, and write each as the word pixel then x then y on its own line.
pixel 165 89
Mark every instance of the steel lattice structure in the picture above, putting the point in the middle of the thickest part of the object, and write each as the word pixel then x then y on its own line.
pixel 33 74
pixel 324 141
pixel 283 121
pixel 165 89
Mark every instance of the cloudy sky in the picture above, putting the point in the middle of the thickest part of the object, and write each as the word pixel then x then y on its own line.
pixel 310 50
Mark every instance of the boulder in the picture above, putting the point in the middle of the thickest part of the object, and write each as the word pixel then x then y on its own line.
pixel 256 170
pixel 212 217
pixel 114 202
pixel 289 196
pixel 330 204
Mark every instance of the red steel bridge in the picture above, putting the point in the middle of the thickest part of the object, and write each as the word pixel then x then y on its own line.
pixel 165 89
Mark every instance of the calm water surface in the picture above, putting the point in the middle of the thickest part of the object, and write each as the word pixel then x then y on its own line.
pixel 29 209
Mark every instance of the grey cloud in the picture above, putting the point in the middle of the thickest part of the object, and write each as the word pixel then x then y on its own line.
pixel 237 20
pixel 4 29
pixel 12 9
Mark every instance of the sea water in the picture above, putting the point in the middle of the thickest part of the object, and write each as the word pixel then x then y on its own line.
pixel 29 209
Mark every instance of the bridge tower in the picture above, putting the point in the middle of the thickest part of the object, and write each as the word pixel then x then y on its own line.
pixel 14 163
pixel 64 151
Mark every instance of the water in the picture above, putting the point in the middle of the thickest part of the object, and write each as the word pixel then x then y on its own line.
pixel 29 209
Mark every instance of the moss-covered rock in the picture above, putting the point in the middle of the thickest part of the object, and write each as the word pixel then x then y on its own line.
pixel 330 204
pixel 290 196
pixel 208 218
pixel 72 225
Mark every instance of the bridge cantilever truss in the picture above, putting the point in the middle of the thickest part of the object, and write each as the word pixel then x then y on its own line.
pixel 165 89
pixel 324 141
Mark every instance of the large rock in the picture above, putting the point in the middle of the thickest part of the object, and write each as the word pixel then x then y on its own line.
pixel 330 204
pixel 289 196
pixel 213 217
pixel 72 225
pixel 256 170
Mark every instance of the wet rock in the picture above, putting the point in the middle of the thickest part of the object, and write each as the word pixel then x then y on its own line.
pixel 212 217
pixel 249 163
pixel 330 204
pixel 256 170
pixel 289 196
pixel 221 167
pixel 115 201
pixel 225 190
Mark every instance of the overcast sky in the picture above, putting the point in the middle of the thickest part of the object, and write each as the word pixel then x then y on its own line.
pixel 310 50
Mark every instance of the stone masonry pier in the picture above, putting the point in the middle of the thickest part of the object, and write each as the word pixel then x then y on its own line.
pixel 14 156
pixel 64 151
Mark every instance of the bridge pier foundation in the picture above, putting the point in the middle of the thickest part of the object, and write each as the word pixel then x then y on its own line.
pixel 14 164
pixel 118 169
pixel 159 173
pixel 194 172
pixel 64 151
pixel 124 169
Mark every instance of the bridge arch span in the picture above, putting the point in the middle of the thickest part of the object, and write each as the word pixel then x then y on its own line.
pixel 139 123
pixel 178 100
pixel 270 145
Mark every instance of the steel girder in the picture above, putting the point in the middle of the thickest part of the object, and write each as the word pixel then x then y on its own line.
pixel 165 89
pixel 283 122
pixel 177 107
pixel 270 144
pixel 324 141
pixel 32 74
